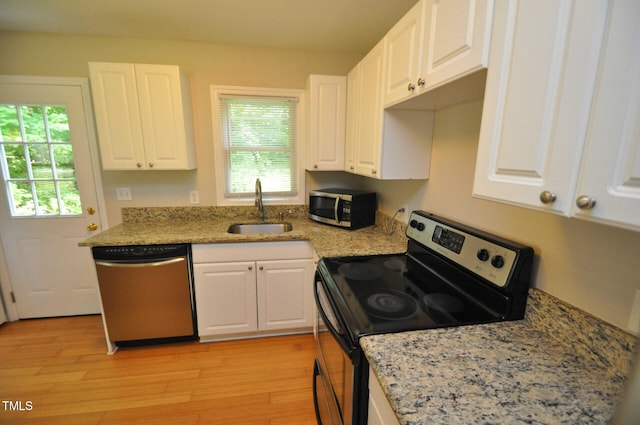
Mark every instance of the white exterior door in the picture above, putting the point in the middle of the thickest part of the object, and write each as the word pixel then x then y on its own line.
pixel 49 199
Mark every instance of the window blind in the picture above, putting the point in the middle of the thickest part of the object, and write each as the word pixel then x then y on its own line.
pixel 259 141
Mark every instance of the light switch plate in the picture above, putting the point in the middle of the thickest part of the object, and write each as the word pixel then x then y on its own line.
pixel 194 197
pixel 123 193
pixel 634 318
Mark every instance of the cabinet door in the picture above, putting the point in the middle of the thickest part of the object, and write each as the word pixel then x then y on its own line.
pixel 115 102
pixel 165 111
pixel 369 122
pixel 285 298
pixel 353 114
pixel 380 411
pixel 225 298
pixel 403 56
pixel 326 126
pixel 610 171
pixel 456 39
pixel 540 83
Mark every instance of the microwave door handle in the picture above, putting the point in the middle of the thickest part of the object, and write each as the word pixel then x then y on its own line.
pixel 336 208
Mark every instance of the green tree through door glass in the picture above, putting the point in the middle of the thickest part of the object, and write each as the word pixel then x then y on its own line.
pixel 37 161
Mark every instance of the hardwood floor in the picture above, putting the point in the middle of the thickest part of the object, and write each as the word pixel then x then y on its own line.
pixel 60 366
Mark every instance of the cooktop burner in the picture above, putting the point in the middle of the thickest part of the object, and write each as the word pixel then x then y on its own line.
pixel 389 304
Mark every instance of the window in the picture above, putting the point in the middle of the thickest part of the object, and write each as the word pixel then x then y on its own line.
pixel 37 163
pixel 257 135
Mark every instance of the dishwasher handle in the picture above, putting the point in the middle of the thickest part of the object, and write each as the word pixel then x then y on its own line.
pixel 140 264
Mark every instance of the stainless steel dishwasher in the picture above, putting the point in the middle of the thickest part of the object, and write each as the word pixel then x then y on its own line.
pixel 147 292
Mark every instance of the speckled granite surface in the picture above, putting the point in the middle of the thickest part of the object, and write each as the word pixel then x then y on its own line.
pixel 148 226
pixel 538 370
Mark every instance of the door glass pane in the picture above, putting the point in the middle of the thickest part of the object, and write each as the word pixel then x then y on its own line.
pixel 58 124
pixel 36 157
pixel 47 198
pixel 10 124
pixel 22 197
pixel 17 162
pixel 33 122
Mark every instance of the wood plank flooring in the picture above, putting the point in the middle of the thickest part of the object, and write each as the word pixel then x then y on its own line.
pixel 60 366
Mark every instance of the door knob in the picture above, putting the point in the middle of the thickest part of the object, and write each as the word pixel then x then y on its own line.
pixel 92 227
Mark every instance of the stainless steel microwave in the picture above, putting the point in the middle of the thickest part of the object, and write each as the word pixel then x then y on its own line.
pixel 351 209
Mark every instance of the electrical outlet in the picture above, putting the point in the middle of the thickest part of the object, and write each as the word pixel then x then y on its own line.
pixel 404 216
pixel 123 193
pixel 634 318
pixel 194 197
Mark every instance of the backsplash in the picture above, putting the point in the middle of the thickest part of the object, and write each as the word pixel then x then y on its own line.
pixel 588 336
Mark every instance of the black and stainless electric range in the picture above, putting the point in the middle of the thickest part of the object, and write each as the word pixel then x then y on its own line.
pixel 450 275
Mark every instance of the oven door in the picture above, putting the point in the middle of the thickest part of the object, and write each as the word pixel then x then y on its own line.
pixel 339 370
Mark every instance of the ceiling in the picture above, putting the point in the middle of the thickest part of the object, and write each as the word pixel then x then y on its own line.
pixel 347 26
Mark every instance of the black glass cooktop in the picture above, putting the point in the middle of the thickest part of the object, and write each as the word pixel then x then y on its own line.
pixel 394 293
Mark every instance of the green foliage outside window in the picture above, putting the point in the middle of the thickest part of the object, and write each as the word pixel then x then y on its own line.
pixel 37 160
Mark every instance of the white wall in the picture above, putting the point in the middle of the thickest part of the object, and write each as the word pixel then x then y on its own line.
pixel 204 63
pixel 591 266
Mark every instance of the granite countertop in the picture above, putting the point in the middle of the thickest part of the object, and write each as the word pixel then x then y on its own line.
pixel 558 365
pixel 202 225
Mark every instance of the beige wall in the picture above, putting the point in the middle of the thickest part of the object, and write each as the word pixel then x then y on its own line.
pixel 205 63
pixel 588 265
pixel 591 266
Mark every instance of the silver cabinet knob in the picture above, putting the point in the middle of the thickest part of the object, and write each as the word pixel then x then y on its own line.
pixel 547 197
pixel 411 87
pixel 585 202
pixel 421 82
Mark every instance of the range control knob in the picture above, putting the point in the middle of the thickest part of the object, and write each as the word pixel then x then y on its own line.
pixel 413 223
pixel 497 261
pixel 420 227
pixel 482 254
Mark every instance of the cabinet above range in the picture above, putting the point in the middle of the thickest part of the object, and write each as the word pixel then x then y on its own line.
pixel 143 115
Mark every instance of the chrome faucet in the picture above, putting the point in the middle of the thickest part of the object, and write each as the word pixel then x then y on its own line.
pixel 258 201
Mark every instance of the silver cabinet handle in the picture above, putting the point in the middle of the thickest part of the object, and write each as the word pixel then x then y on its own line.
pixel 547 197
pixel 585 202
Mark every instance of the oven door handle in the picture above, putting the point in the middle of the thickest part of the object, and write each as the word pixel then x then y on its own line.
pixel 336 330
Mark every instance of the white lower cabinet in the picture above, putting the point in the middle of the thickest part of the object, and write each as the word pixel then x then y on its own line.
pixel 266 294
pixel 380 411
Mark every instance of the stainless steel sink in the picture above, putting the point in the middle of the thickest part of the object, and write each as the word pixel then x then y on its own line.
pixel 249 228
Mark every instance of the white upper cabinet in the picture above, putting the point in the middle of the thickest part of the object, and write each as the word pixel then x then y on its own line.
pixel 143 116
pixel 540 84
pixel 384 144
pixel 326 112
pixel 404 55
pixel 436 42
pixel 456 39
pixel 610 173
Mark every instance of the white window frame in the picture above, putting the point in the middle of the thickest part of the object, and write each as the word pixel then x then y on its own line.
pixel 221 199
